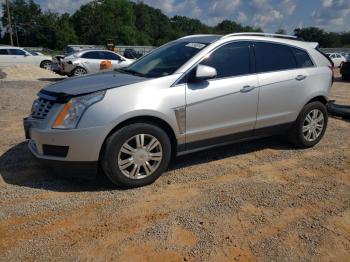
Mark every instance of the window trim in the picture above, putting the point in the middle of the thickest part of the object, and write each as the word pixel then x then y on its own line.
pixel 252 65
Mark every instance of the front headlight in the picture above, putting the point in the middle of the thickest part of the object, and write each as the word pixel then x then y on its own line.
pixel 71 113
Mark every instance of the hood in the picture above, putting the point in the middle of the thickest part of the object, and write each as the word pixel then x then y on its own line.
pixel 91 83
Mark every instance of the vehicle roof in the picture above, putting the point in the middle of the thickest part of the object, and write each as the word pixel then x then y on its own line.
pixel 94 49
pixel 10 47
pixel 208 39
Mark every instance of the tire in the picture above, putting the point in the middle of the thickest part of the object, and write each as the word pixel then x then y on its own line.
pixel 79 71
pixel 117 156
pixel 296 134
pixel 46 64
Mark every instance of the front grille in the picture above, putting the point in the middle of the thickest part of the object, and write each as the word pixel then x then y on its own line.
pixel 41 107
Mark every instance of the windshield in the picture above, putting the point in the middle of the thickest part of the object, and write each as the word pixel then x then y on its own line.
pixel 165 60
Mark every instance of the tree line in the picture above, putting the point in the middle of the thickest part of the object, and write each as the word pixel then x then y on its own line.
pixel 127 23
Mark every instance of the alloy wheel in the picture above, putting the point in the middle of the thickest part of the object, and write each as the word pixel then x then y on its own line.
pixel 140 156
pixel 313 125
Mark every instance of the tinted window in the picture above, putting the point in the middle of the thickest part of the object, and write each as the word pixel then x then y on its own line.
pixel 3 52
pixel 17 52
pixel 93 55
pixel 302 58
pixel 110 56
pixel 230 60
pixel 273 57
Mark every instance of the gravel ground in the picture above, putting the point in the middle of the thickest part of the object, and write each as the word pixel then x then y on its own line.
pixel 260 200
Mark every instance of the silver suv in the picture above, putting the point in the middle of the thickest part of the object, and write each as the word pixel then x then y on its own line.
pixel 190 94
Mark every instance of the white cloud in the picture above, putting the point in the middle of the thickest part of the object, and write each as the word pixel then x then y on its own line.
pixel 242 17
pixel 223 7
pixel 333 15
pixel 64 6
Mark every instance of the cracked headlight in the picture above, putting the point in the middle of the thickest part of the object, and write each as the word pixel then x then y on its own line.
pixel 71 113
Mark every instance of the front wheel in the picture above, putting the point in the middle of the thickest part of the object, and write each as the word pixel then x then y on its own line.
pixel 46 64
pixel 136 155
pixel 79 71
pixel 310 125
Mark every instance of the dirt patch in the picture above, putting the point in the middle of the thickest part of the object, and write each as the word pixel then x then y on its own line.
pixel 261 200
pixel 27 73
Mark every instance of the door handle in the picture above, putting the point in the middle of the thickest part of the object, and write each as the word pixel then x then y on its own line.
pixel 300 77
pixel 247 89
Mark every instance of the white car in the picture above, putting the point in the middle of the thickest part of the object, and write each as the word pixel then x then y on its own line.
pixel 89 62
pixel 10 55
pixel 337 59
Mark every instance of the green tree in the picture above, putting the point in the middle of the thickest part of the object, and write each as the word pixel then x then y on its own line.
pixel 281 31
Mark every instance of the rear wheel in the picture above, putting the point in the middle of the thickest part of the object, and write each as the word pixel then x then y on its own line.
pixel 310 126
pixel 136 155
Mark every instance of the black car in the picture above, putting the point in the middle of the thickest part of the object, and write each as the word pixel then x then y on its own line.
pixel 132 53
pixel 345 70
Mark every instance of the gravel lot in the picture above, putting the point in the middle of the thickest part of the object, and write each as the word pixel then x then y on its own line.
pixel 261 200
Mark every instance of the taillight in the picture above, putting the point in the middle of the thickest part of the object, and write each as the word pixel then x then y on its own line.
pixel 332 69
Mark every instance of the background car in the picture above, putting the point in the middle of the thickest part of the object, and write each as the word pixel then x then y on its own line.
pixel 10 55
pixel 89 62
pixel 132 53
pixel 345 70
pixel 337 59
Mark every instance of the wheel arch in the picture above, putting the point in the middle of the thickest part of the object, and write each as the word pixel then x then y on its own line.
pixel 320 98
pixel 146 119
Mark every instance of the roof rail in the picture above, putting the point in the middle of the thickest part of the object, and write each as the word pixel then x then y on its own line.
pixel 198 35
pixel 263 34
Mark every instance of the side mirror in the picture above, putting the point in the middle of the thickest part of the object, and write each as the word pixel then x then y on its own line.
pixel 26 54
pixel 204 72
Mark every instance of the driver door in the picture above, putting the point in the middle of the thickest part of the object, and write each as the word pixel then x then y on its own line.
pixel 223 108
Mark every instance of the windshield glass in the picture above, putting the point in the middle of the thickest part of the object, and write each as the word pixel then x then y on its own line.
pixel 165 60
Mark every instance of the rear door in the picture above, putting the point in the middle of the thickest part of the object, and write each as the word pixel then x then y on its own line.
pixel 225 107
pixel 284 76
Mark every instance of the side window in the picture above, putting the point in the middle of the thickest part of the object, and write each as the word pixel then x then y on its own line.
pixel 17 52
pixel 302 58
pixel 92 55
pixel 110 56
pixel 230 60
pixel 3 52
pixel 338 56
pixel 273 57
pixel 332 56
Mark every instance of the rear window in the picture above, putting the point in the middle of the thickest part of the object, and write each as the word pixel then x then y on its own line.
pixel 273 57
pixel 303 59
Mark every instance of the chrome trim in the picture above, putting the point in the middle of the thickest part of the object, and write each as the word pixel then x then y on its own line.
pixel 180 114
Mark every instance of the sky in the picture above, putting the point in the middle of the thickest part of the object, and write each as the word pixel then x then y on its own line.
pixel 270 15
